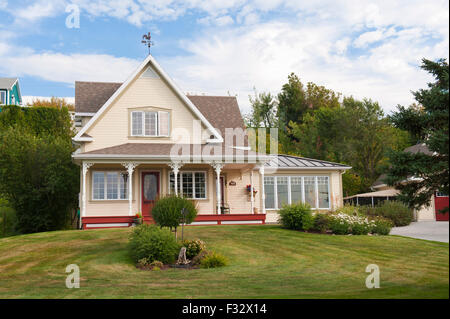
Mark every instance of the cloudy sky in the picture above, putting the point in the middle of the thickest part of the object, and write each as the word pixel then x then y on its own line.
pixel 362 48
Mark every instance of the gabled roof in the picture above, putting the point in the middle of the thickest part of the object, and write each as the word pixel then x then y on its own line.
pixel 295 162
pixel 7 83
pixel 170 83
pixel 90 96
pixel 220 111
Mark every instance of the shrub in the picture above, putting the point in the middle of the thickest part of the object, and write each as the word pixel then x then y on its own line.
pixel 152 243
pixel 322 222
pixel 167 211
pixel 342 224
pixel 213 260
pixel 193 247
pixel 349 210
pixel 198 259
pixel 397 212
pixel 8 221
pixel 296 216
pixel 382 226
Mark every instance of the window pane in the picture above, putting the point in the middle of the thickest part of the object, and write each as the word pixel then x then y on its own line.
pixel 282 191
pixel 310 192
pixel 187 185
pixel 172 183
pixel 99 185
pixel 123 185
pixel 200 185
pixel 163 118
pixel 269 189
pixel 2 97
pixel 136 119
pixel 150 123
pixel 111 185
pixel 322 185
pixel 296 189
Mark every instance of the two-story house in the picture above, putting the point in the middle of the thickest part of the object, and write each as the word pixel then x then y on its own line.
pixel 10 91
pixel 144 138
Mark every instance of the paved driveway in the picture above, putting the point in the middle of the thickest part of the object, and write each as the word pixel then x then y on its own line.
pixel 429 230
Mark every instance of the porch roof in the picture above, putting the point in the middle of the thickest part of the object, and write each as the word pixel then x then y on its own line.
pixel 294 162
pixel 167 151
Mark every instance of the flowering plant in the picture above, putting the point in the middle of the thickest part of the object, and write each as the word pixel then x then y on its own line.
pixel 249 189
pixel 138 215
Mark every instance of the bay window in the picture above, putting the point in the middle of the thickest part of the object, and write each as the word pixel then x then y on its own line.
pixel 150 123
pixel 191 185
pixel 281 190
pixel 109 185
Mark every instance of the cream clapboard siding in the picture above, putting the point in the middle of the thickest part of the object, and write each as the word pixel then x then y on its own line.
pixel 112 128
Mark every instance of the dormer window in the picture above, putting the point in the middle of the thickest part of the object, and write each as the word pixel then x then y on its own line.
pixel 150 123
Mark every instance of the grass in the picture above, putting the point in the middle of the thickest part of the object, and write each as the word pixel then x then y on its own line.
pixel 264 262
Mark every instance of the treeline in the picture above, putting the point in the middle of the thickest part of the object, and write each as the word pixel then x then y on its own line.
pixel 317 122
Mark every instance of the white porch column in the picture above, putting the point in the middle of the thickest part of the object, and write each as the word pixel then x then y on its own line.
pixel 218 168
pixel 175 166
pixel 252 198
pixel 263 191
pixel 85 168
pixel 130 168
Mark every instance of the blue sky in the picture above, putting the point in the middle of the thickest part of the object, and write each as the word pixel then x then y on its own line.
pixel 362 48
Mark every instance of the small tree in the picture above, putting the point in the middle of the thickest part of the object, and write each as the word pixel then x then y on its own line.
pixel 429 123
pixel 38 178
pixel 167 211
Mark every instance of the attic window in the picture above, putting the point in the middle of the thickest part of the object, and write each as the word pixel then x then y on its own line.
pixel 150 73
pixel 150 123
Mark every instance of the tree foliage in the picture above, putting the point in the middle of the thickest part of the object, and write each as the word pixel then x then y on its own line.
pixel 54 102
pixel 429 123
pixel 167 211
pixel 37 175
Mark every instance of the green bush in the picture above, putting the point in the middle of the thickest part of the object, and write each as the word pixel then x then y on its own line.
pixel 397 212
pixel 167 211
pixel 339 226
pixel 8 221
pixel 193 247
pixel 213 260
pixel 382 226
pixel 322 222
pixel 153 243
pixel 296 216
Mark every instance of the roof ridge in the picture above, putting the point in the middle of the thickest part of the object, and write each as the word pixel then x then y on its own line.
pixel 103 82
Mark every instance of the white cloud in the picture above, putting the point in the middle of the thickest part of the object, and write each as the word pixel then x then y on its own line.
pixel 366 50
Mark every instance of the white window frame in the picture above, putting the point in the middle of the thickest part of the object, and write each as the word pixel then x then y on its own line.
pixel 105 183
pixel 180 173
pixel 5 95
pixel 157 126
pixel 316 191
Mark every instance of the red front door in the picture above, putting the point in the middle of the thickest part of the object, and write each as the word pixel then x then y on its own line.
pixel 440 202
pixel 150 193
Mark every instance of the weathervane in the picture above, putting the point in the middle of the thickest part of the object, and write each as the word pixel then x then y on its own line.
pixel 147 39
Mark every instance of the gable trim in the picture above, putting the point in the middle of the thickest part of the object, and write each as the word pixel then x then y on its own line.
pixel 218 138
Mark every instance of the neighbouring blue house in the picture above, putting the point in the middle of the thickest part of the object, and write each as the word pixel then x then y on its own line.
pixel 10 92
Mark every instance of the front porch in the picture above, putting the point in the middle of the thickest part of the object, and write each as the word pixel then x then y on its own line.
pixel 112 193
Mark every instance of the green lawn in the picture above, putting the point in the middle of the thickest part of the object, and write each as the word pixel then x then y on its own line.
pixel 265 262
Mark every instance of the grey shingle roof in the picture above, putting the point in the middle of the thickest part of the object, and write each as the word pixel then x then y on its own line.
pixel 289 161
pixel 7 83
